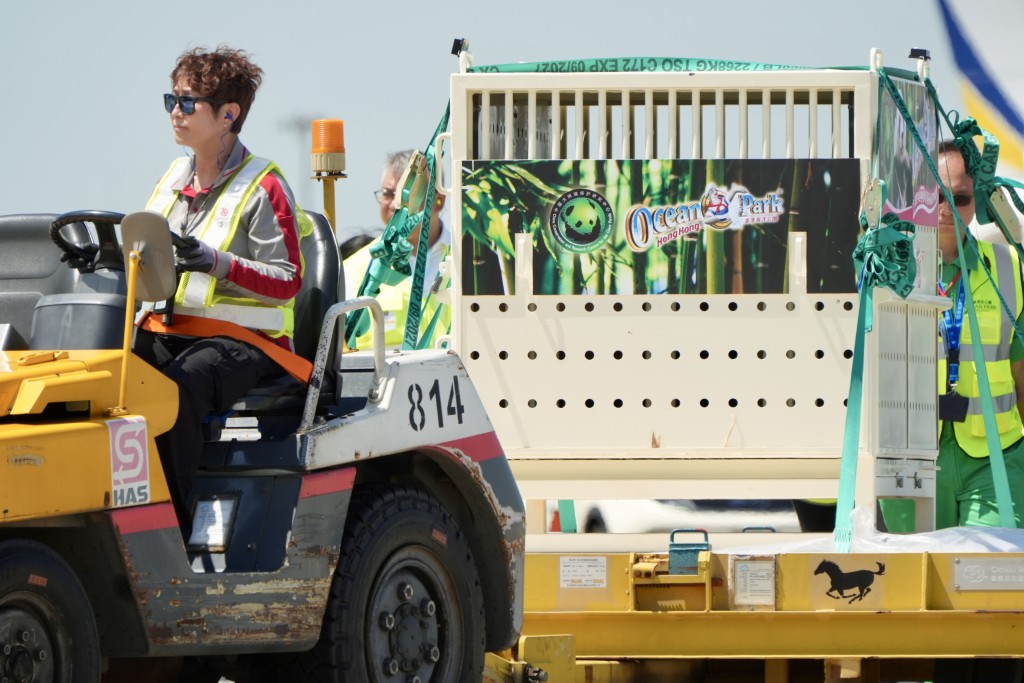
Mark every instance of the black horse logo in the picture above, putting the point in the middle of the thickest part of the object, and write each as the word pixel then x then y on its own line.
pixel 859 580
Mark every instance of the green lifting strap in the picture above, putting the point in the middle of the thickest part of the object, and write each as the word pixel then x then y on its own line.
pixel 390 264
pixel 1004 502
pixel 884 257
pixel 981 165
pixel 412 319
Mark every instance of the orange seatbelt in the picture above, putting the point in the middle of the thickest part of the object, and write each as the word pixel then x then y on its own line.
pixel 192 326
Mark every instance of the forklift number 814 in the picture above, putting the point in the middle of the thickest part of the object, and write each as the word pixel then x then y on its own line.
pixel 417 414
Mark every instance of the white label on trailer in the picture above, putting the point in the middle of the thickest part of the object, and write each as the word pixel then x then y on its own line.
pixel 582 572
pixel 753 582
pixel 988 574
pixel 212 522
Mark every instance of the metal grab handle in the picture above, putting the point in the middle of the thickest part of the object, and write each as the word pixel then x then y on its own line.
pixel 438 175
pixel 672 536
pixel 324 347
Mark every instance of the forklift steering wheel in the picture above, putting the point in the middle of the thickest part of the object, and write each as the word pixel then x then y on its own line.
pixel 78 246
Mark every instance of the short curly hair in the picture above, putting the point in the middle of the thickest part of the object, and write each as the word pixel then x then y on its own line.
pixel 224 75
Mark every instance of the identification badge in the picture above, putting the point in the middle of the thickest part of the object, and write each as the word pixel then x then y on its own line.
pixel 953 407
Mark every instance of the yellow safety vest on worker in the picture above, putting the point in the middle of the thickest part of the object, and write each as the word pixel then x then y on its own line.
pixel 394 300
pixel 996 337
pixel 196 294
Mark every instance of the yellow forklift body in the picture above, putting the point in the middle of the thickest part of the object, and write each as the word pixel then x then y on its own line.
pixel 60 466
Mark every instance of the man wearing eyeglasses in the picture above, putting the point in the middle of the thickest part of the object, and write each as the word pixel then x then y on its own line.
pixel 965 491
pixel 230 323
pixel 394 300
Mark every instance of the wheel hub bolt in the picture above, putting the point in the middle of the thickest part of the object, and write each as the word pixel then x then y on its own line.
pixel 41 655
pixel 432 653
pixel 405 591
pixel 412 679
pixel 387 621
pixel 7 650
pixel 25 635
pixel 390 666
pixel 428 607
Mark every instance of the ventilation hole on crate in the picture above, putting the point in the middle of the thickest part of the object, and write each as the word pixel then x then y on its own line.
pixel 762 354
pixel 762 306
pixel 675 355
pixel 705 306
pixel 848 306
pixel 589 403
pixel 705 354
pixel 474 355
pixel 646 306
pixel 844 402
pixel 503 403
pixel 791 354
pixel 676 403
pixel 617 306
pixel 790 306
pixel 559 306
pixel 647 403
pixel 819 305
pixel 847 354
pixel 617 355
pixel 761 403
pixel 560 355
pixel 675 306
pixel 503 307
pixel 531 403
pixel 820 402
pixel 733 403
pixel 474 307
pixel 646 355
pixel 588 307
pixel 790 402
pixel 617 403
pixel 704 403
pixel 531 307
pixel 819 354
pixel 589 355
pixel 532 355
pixel 560 403
pixel 733 355
pixel 733 306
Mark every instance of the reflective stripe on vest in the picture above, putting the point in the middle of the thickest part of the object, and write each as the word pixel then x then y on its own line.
pixel 196 291
pixel 996 336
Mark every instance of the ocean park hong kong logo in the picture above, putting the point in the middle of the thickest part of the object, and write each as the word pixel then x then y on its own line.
pixel 719 209
pixel 581 221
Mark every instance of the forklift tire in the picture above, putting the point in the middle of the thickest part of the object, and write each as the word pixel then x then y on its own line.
pixel 406 600
pixel 47 627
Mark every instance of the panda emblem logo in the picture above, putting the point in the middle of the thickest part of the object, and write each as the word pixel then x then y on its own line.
pixel 581 221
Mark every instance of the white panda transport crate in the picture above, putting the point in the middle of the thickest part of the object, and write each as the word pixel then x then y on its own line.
pixel 690 396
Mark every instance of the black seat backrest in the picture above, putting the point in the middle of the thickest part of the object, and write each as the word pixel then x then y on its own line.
pixel 323 285
pixel 30 268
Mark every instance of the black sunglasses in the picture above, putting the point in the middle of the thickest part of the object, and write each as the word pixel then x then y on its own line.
pixel 960 200
pixel 187 103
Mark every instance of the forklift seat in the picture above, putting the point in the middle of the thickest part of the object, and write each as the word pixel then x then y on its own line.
pixel 323 285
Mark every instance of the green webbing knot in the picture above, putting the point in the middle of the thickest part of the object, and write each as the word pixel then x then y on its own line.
pixel 981 165
pixel 885 256
pixel 393 250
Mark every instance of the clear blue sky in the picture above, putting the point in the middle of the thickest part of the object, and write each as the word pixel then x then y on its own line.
pixel 84 128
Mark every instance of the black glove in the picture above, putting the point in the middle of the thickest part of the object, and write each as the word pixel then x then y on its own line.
pixel 83 261
pixel 193 254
